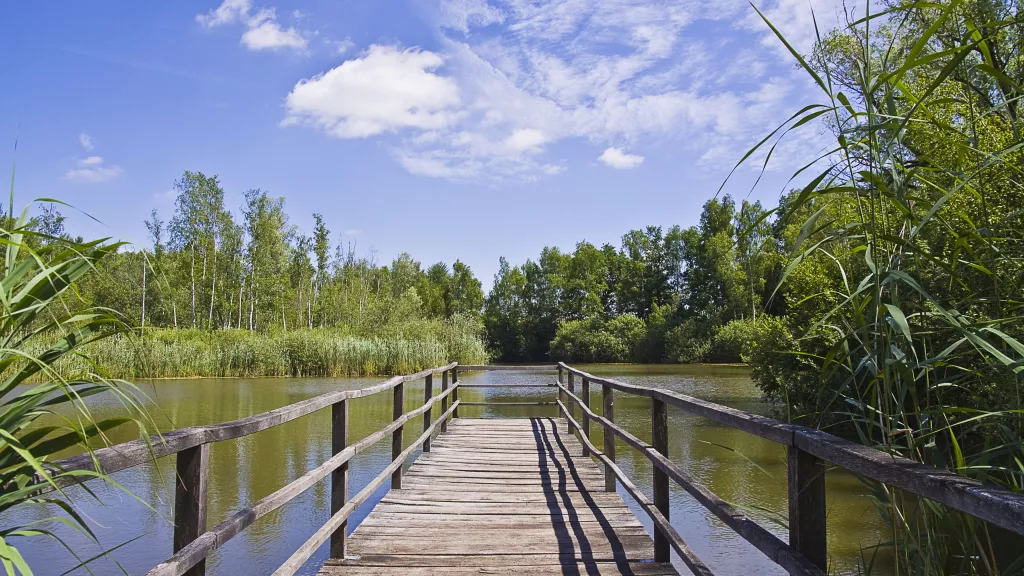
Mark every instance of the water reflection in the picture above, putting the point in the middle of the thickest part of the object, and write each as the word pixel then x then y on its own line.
pixel 744 470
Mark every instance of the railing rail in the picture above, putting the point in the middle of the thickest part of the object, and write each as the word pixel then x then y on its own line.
pixel 807 450
pixel 193 542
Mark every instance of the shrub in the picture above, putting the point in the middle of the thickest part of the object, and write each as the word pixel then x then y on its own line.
pixel 686 344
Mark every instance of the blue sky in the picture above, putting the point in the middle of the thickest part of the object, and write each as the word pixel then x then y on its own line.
pixel 450 129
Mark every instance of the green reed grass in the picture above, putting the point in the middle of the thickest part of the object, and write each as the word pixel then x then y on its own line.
pixel 307 352
pixel 922 357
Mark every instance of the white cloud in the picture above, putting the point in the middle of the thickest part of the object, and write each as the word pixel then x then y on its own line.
pixel 270 36
pixel 460 14
pixel 91 169
pixel 263 32
pixel 513 77
pixel 385 90
pixel 617 158
pixel 340 46
pixel 86 141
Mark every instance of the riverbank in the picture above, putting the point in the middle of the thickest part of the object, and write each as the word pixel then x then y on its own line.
pixel 326 352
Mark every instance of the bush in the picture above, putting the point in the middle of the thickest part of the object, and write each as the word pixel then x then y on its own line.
pixel 593 340
pixel 686 343
pixel 732 341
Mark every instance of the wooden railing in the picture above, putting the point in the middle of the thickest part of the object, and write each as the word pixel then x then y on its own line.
pixel 807 450
pixel 193 542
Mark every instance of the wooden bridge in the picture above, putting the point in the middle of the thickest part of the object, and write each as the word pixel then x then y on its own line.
pixel 532 495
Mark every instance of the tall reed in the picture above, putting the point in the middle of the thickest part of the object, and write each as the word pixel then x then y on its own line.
pixel 914 213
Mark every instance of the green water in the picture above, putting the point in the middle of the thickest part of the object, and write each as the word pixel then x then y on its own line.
pixel 743 469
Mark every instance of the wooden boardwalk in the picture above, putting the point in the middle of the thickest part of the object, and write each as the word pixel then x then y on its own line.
pixel 498 496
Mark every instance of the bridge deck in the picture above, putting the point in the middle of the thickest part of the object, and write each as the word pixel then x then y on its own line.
pixel 499 496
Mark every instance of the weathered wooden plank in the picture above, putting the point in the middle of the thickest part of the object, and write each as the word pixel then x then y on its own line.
pixel 299 557
pixel 398 408
pixel 509 491
pixel 510 403
pixel 492 367
pixel 592 568
pixel 514 562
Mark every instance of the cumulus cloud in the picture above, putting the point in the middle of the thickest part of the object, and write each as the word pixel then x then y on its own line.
pixel 263 31
pixel 92 169
pixel 86 141
pixel 617 158
pixel 512 77
pixel 385 90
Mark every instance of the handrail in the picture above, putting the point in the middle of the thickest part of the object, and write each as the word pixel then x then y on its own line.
pixel 807 449
pixel 213 539
pixel 130 454
pixel 769 544
pixel 661 523
pixel 192 541
pixel 988 502
pixel 299 557
pixel 490 367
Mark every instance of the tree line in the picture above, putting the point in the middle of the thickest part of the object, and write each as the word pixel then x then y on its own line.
pixel 211 269
pixel 661 296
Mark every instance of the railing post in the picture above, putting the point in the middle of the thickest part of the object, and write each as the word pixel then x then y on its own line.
pixel 455 394
pixel 570 403
pixel 396 436
pixel 561 395
pixel 339 478
pixel 444 401
pixel 807 506
pixel 609 437
pixel 585 396
pixel 659 439
pixel 428 392
pixel 190 500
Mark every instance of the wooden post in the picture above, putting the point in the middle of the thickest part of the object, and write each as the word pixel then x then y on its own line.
pixel 807 506
pixel 190 500
pixel 585 396
pixel 561 395
pixel 609 437
pixel 339 478
pixel 428 393
pixel 396 436
pixel 455 394
pixel 571 404
pixel 659 439
pixel 444 401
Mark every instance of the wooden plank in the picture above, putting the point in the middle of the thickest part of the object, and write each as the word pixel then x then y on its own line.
pixel 509 490
pixel 515 563
pixel 491 367
pixel 190 500
pixel 299 557
pixel 592 568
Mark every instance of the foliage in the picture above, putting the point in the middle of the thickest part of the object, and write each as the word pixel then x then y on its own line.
pixel 593 340
pixel 902 323
pixel 43 341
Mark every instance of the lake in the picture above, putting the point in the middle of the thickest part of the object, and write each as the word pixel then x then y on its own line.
pixel 744 470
